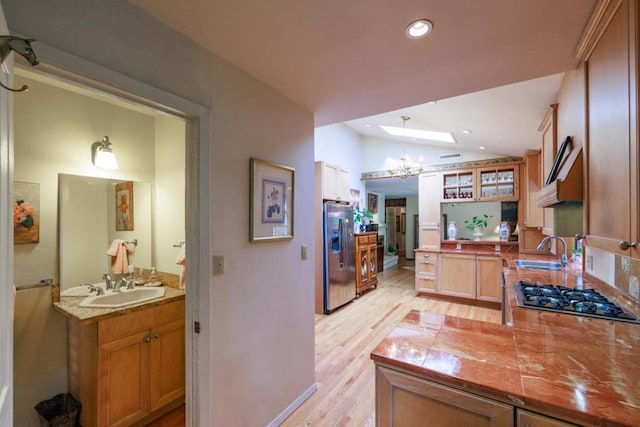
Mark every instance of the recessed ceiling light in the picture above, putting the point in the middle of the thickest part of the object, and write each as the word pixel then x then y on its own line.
pixel 418 29
pixel 419 134
pixel 367 125
pixel 466 131
pixel 482 148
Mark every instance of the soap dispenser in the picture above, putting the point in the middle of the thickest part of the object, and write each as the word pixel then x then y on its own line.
pixel 153 276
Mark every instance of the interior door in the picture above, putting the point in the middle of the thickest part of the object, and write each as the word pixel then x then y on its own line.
pixel 6 240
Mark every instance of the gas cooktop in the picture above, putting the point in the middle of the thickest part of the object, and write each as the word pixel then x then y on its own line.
pixel 582 302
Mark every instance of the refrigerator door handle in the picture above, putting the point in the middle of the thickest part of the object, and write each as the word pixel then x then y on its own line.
pixel 342 248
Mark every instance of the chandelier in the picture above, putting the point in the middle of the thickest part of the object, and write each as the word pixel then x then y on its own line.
pixel 407 167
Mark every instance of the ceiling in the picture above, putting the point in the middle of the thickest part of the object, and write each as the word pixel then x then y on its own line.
pixel 350 62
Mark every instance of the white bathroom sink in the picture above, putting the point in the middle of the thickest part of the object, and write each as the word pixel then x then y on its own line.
pixel 123 298
pixel 80 291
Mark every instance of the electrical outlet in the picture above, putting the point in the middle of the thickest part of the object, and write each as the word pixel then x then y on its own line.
pixel 218 264
pixel 589 265
pixel 634 288
pixel 304 252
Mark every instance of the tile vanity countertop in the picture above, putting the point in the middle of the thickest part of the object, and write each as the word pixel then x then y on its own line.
pixel 69 306
pixel 579 368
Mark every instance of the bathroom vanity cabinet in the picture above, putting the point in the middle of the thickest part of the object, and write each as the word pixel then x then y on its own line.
pixel 130 368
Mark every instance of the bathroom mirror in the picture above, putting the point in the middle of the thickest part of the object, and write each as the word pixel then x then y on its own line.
pixel 89 220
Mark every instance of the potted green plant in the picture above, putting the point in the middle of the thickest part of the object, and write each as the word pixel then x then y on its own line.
pixel 361 215
pixel 477 225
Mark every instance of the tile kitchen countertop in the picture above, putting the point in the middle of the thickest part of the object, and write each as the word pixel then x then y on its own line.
pixel 580 368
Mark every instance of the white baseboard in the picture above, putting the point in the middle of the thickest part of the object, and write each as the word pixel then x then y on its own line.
pixel 293 406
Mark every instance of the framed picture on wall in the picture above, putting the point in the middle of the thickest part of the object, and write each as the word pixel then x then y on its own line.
pixel 355 198
pixel 26 212
pixel 271 201
pixel 124 206
pixel 372 202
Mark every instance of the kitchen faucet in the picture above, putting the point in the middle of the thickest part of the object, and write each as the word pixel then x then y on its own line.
pixel 563 258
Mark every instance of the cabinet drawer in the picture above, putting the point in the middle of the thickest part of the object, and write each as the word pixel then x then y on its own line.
pixel 426 262
pixel 373 239
pixel 363 240
pixel 427 265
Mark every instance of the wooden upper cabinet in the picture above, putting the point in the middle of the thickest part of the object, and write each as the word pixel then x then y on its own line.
pixel 498 183
pixel 612 149
pixel 533 183
pixel 549 129
pixel 334 181
pixel 459 186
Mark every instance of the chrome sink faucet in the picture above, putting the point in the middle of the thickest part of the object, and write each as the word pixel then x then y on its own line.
pixel 107 281
pixel 563 258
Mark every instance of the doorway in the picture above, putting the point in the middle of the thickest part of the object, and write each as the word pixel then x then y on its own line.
pixel 53 149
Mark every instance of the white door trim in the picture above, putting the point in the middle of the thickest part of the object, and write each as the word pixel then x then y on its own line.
pixel 198 135
pixel 6 238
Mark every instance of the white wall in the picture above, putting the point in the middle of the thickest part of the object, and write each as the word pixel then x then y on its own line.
pixel 410 236
pixel 262 307
pixel 169 194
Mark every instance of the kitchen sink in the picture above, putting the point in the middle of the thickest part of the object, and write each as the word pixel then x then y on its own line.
pixel 123 298
pixel 538 265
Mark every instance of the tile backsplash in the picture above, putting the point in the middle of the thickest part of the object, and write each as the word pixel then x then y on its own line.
pixel 627 276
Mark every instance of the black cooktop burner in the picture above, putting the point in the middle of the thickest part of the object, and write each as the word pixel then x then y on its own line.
pixel 586 302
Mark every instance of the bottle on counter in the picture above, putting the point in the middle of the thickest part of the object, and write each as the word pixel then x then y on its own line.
pixel 452 230
pixel 504 232
pixel 153 276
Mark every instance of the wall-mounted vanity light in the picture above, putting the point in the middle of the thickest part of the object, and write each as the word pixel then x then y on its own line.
pixel 102 156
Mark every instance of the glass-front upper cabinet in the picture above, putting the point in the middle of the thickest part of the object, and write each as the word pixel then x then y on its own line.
pixel 498 183
pixel 459 185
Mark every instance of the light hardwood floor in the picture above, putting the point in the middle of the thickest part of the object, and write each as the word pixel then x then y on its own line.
pixel 345 338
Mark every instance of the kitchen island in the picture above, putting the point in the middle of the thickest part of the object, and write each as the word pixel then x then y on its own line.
pixel 541 368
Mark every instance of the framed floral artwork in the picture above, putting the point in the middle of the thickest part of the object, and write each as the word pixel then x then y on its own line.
pixel 271 201
pixel 372 202
pixel 124 206
pixel 26 212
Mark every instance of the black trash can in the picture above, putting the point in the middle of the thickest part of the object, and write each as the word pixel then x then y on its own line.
pixel 60 411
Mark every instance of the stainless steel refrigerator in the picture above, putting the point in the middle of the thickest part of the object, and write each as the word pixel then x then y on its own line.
pixel 339 260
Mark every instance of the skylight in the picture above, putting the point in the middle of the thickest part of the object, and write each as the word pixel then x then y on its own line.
pixel 428 135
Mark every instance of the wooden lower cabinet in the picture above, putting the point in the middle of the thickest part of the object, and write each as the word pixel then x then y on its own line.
pixel 459 275
pixel 426 279
pixel 366 253
pixel 130 368
pixel 488 280
pixel 531 419
pixel 406 400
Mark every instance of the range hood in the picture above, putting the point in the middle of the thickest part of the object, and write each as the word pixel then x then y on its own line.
pixel 567 185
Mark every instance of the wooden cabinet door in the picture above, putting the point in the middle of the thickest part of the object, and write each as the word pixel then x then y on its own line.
pixel 531 419
pixel 457 275
pixel 612 150
pixel 405 400
pixel 167 363
pixel 532 175
pixel 549 129
pixel 373 263
pixel 498 183
pixel 362 266
pixel 429 211
pixel 426 279
pixel 123 380
pixel 343 190
pixel 488 271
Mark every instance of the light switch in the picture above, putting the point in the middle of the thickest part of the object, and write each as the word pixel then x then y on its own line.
pixel 218 264
pixel 304 249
